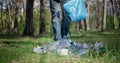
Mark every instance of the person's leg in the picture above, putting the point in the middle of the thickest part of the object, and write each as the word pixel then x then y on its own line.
pixel 55 13
pixel 65 22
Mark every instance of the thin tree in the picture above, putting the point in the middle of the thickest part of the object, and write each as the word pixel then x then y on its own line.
pixel 42 18
pixel 29 29
pixel 97 23
pixel 104 16
pixel 78 26
pixel 112 15
pixel 17 2
pixel 1 19
pixel 118 11
pixel 86 21
pixel 10 14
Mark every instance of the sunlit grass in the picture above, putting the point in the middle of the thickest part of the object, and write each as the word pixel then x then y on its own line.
pixel 19 49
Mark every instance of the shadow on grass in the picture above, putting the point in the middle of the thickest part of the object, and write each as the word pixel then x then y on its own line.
pixel 14 36
pixel 9 36
pixel 91 34
pixel 16 44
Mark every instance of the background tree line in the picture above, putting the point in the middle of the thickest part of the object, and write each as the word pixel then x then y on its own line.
pixel 32 17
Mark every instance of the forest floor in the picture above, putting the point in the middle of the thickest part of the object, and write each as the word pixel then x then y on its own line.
pixel 17 49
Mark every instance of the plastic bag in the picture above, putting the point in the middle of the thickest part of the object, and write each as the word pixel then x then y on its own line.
pixel 76 10
pixel 38 49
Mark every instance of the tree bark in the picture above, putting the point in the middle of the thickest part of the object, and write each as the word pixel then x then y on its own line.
pixel 42 18
pixel 29 29
pixel 10 16
pixel 104 16
pixel 86 21
pixel 119 22
pixel 16 16
pixel 97 24
pixel 112 15
pixel 2 21
pixel 78 26
pixel 118 13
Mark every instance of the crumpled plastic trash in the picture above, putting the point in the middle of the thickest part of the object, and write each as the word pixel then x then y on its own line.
pixel 65 47
pixel 38 49
pixel 79 48
pixel 62 44
pixel 99 47
pixel 63 51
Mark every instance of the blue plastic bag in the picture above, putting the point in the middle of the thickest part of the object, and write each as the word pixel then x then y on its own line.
pixel 76 10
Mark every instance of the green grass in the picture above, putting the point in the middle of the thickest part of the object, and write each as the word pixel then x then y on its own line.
pixel 16 49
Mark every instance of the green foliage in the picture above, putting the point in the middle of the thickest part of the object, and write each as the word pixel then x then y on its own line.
pixel 73 26
pixel 48 20
pixel 21 25
pixel 116 21
pixel 36 21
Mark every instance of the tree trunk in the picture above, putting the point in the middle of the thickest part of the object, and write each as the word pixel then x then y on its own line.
pixel 104 16
pixel 10 16
pixel 29 29
pixel 2 22
pixel 112 15
pixel 86 21
pixel 23 6
pixel 78 26
pixel 119 20
pixel 101 14
pixel 118 13
pixel 16 16
pixel 97 24
pixel 82 24
pixel 42 18
pixel 24 3
pixel 1 19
